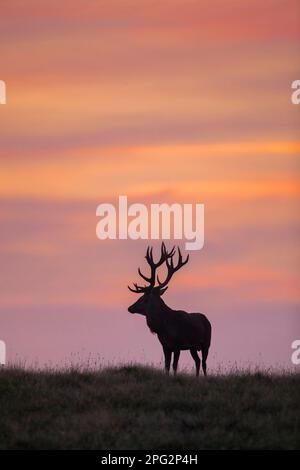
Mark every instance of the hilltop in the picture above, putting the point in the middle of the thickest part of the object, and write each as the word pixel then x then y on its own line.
pixel 134 407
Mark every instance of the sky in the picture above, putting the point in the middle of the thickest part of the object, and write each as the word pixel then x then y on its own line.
pixel 163 101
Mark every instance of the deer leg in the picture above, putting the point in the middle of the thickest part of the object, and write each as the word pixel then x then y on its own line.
pixel 197 360
pixel 175 360
pixel 168 355
pixel 204 357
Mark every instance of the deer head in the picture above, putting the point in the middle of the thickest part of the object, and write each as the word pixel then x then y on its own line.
pixel 152 292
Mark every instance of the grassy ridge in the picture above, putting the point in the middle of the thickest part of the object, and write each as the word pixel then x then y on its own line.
pixel 140 408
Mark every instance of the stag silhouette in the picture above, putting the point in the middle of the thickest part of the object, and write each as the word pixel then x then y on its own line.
pixel 176 330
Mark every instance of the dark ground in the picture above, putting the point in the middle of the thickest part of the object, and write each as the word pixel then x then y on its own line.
pixel 140 408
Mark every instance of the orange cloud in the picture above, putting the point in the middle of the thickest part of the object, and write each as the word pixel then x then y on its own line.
pixel 187 171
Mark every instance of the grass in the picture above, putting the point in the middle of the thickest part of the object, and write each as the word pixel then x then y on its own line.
pixel 134 407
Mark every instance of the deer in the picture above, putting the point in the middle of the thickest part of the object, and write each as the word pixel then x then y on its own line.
pixel 176 330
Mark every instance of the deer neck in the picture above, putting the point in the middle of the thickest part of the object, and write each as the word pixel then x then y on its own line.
pixel 157 315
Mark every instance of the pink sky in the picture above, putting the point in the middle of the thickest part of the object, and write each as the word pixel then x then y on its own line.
pixel 172 101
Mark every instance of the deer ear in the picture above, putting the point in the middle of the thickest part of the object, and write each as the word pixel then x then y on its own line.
pixel 162 291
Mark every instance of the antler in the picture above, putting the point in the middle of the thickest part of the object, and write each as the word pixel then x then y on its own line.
pixel 164 255
pixel 172 269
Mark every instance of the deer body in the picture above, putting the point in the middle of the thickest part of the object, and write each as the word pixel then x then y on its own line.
pixel 176 330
